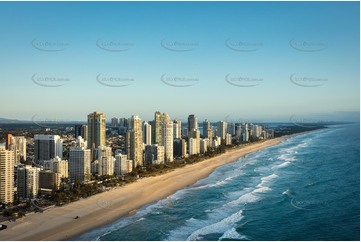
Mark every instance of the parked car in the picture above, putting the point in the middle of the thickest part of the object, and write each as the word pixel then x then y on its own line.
pixel 3 226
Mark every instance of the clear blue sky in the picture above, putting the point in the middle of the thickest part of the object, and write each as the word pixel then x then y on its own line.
pixel 330 31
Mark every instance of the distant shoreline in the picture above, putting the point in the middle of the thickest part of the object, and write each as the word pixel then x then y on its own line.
pixel 59 223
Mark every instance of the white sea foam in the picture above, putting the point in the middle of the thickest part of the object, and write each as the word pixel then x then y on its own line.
pixel 219 227
pixel 284 164
pixel 262 189
pixel 233 234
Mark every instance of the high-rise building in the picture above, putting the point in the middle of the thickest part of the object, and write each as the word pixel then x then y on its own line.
pixel 7 159
pixel 158 129
pixel 194 133
pixel 18 145
pixel 192 123
pixel 8 141
pixel 58 165
pixel 177 130
pixel 48 180
pixel 238 131
pixel 257 131
pixel 194 146
pixel 96 130
pixel 81 130
pixel 114 122
pixel 122 165
pixel 222 129
pixel 106 166
pixel 228 140
pixel 134 141
pixel 207 130
pixel 176 134
pixel 231 129
pixel 203 145
pixel 164 134
pixel 79 162
pixel 147 133
pixel 105 161
pixel 47 147
pixel 245 133
pixel 168 140
pixel 180 148
pixel 27 182
pixel 154 154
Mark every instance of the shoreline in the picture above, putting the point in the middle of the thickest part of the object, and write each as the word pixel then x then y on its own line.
pixel 105 208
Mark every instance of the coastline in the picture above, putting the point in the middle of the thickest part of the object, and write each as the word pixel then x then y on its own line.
pixel 99 210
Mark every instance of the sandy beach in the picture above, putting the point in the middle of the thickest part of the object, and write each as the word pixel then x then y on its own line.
pixel 59 224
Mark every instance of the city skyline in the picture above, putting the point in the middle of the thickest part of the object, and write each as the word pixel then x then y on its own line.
pixel 241 60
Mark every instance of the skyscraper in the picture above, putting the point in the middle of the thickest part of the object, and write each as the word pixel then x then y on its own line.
pixel 158 128
pixel 177 133
pixel 27 182
pixel 164 134
pixel 154 154
pixel 47 147
pixel 222 129
pixel 134 141
pixel 7 158
pixel 96 130
pixel 207 130
pixel 81 130
pixel 192 122
pixel 122 165
pixel 105 161
pixel 168 139
pixel 147 133
pixel 18 145
pixel 114 122
pixel 79 162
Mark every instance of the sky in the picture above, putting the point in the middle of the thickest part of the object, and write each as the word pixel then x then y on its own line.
pixel 255 61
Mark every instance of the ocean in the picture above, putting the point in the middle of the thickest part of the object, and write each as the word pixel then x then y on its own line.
pixel 306 188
